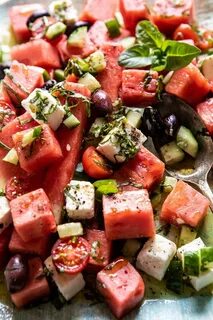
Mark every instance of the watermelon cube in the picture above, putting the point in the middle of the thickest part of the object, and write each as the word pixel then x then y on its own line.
pixel 44 150
pixel 144 169
pixel 100 249
pixel 99 10
pixel 205 111
pixel 184 205
pixel 21 80
pixel 121 286
pixel 139 87
pixel 188 84
pixel 32 215
pixel 39 247
pixel 38 53
pixel 18 18
pixel 112 74
pixel 133 11
pixel 128 214
pixel 36 287
pixel 168 14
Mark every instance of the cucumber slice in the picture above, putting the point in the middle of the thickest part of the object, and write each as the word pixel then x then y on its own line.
pixel 168 184
pixel 171 153
pixel 113 28
pixel 89 81
pixel 70 229
pixel 31 135
pixel 134 118
pixel 192 263
pixel 77 37
pixel 96 62
pixel 206 258
pixel 127 42
pixel 11 157
pixel 59 75
pixel 71 122
pixel 207 68
pixel 130 248
pixel 55 30
pixel 187 142
pixel 187 235
pixel 120 19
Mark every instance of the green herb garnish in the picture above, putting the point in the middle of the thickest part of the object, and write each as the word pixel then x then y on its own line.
pixel 152 49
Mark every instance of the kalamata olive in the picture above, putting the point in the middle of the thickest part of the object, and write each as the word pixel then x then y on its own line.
pixel 171 125
pixel 102 102
pixel 76 25
pixel 3 67
pixel 36 15
pixel 49 84
pixel 16 273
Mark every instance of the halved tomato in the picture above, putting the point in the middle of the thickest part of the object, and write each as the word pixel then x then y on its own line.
pixel 71 255
pixel 95 164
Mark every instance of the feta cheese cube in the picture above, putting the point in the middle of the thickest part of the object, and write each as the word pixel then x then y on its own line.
pixel 121 143
pixel 192 246
pixel 204 279
pixel 63 10
pixel 68 285
pixel 5 215
pixel 80 200
pixel 44 108
pixel 155 256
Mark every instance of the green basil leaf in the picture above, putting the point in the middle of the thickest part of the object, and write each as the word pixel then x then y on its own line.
pixel 178 54
pixel 149 35
pixel 137 56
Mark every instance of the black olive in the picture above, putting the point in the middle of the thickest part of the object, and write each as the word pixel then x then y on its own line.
pixel 36 15
pixel 76 25
pixel 102 103
pixel 171 125
pixel 49 84
pixel 3 67
pixel 16 273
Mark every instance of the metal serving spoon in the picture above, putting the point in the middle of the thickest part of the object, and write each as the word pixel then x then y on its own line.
pixel 204 161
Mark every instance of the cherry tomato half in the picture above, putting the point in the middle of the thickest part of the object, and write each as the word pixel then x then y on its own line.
pixel 71 255
pixel 7 113
pixel 95 164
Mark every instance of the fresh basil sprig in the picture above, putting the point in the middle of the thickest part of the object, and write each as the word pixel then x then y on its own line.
pixel 152 49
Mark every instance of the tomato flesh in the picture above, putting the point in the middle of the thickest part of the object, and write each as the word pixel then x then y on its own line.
pixel 71 255
pixel 95 165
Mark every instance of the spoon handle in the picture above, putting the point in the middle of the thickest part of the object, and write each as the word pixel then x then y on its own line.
pixel 204 186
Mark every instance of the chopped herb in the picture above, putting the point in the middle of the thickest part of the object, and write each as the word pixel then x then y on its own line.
pixel 37 132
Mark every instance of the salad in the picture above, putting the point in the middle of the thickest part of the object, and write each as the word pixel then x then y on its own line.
pixel 83 196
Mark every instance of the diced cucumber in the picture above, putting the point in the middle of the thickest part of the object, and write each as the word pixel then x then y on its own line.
pixel 127 42
pixel 71 122
pixel 174 276
pixel 11 157
pixel 55 30
pixel 120 19
pixel 187 142
pixel 171 153
pixel 207 68
pixel 59 75
pixel 205 232
pixel 90 82
pixel 130 248
pixel 206 258
pixel 168 184
pixel 43 71
pixel 31 135
pixel 77 37
pixel 96 61
pixel 187 235
pixel 134 118
pixel 113 28
pixel 173 234
pixel 70 229
pixel 156 201
pixel 192 263
pixel 4 53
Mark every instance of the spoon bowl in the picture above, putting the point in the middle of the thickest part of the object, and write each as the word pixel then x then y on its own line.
pixel 203 163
